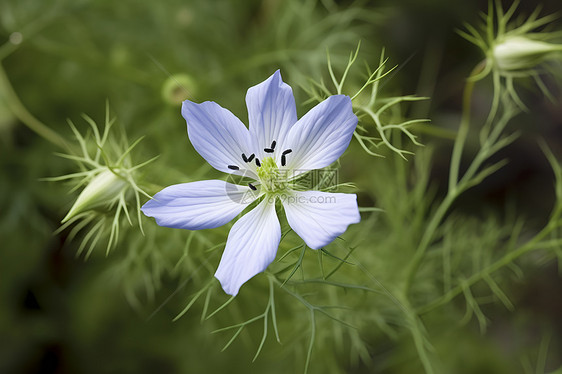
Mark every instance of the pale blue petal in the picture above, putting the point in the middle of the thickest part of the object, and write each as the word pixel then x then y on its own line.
pixel 218 136
pixel 251 246
pixel 319 217
pixel 198 205
pixel 271 113
pixel 321 135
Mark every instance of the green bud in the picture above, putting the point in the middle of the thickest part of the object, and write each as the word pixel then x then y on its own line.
pixel 521 53
pixel 103 189
pixel 178 88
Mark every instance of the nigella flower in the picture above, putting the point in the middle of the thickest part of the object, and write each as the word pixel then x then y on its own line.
pixel 272 152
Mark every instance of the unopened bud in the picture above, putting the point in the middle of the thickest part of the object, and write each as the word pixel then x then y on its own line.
pixel 103 189
pixel 521 53
pixel 178 88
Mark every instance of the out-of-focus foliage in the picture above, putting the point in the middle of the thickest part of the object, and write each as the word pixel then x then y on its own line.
pixel 453 269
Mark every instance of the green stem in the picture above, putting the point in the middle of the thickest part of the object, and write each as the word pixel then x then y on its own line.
pixel 24 116
pixel 7 49
pixel 460 140
pixel 416 328
pixel 427 237
pixel 453 191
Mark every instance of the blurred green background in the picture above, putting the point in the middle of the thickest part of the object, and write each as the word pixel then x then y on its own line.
pixel 60 313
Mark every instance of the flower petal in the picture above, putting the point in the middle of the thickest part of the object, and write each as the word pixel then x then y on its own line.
pixel 319 217
pixel 218 136
pixel 271 113
pixel 251 246
pixel 198 205
pixel 321 135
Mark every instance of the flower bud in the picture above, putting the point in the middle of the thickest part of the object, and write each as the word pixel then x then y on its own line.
pixel 178 88
pixel 103 189
pixel 521 53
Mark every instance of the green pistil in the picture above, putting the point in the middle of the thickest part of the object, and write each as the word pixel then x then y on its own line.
pixel 272 180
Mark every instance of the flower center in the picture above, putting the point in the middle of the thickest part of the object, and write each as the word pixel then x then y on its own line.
pixel 272 179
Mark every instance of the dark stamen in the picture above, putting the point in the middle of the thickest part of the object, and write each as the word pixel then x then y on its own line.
pixel 252 187
pixel 268 150
pixel 283 158
pixel 233 167
pixel 258 162
pixel 251 158
pixel 244 157
pixel 273 143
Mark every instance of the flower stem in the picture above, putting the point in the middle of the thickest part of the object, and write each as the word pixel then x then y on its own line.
pixel 24 116
pixel 453 190
pixel 7 49
pixel 460 140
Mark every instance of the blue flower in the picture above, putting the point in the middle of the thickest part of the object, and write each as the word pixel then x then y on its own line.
pixel 274 151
